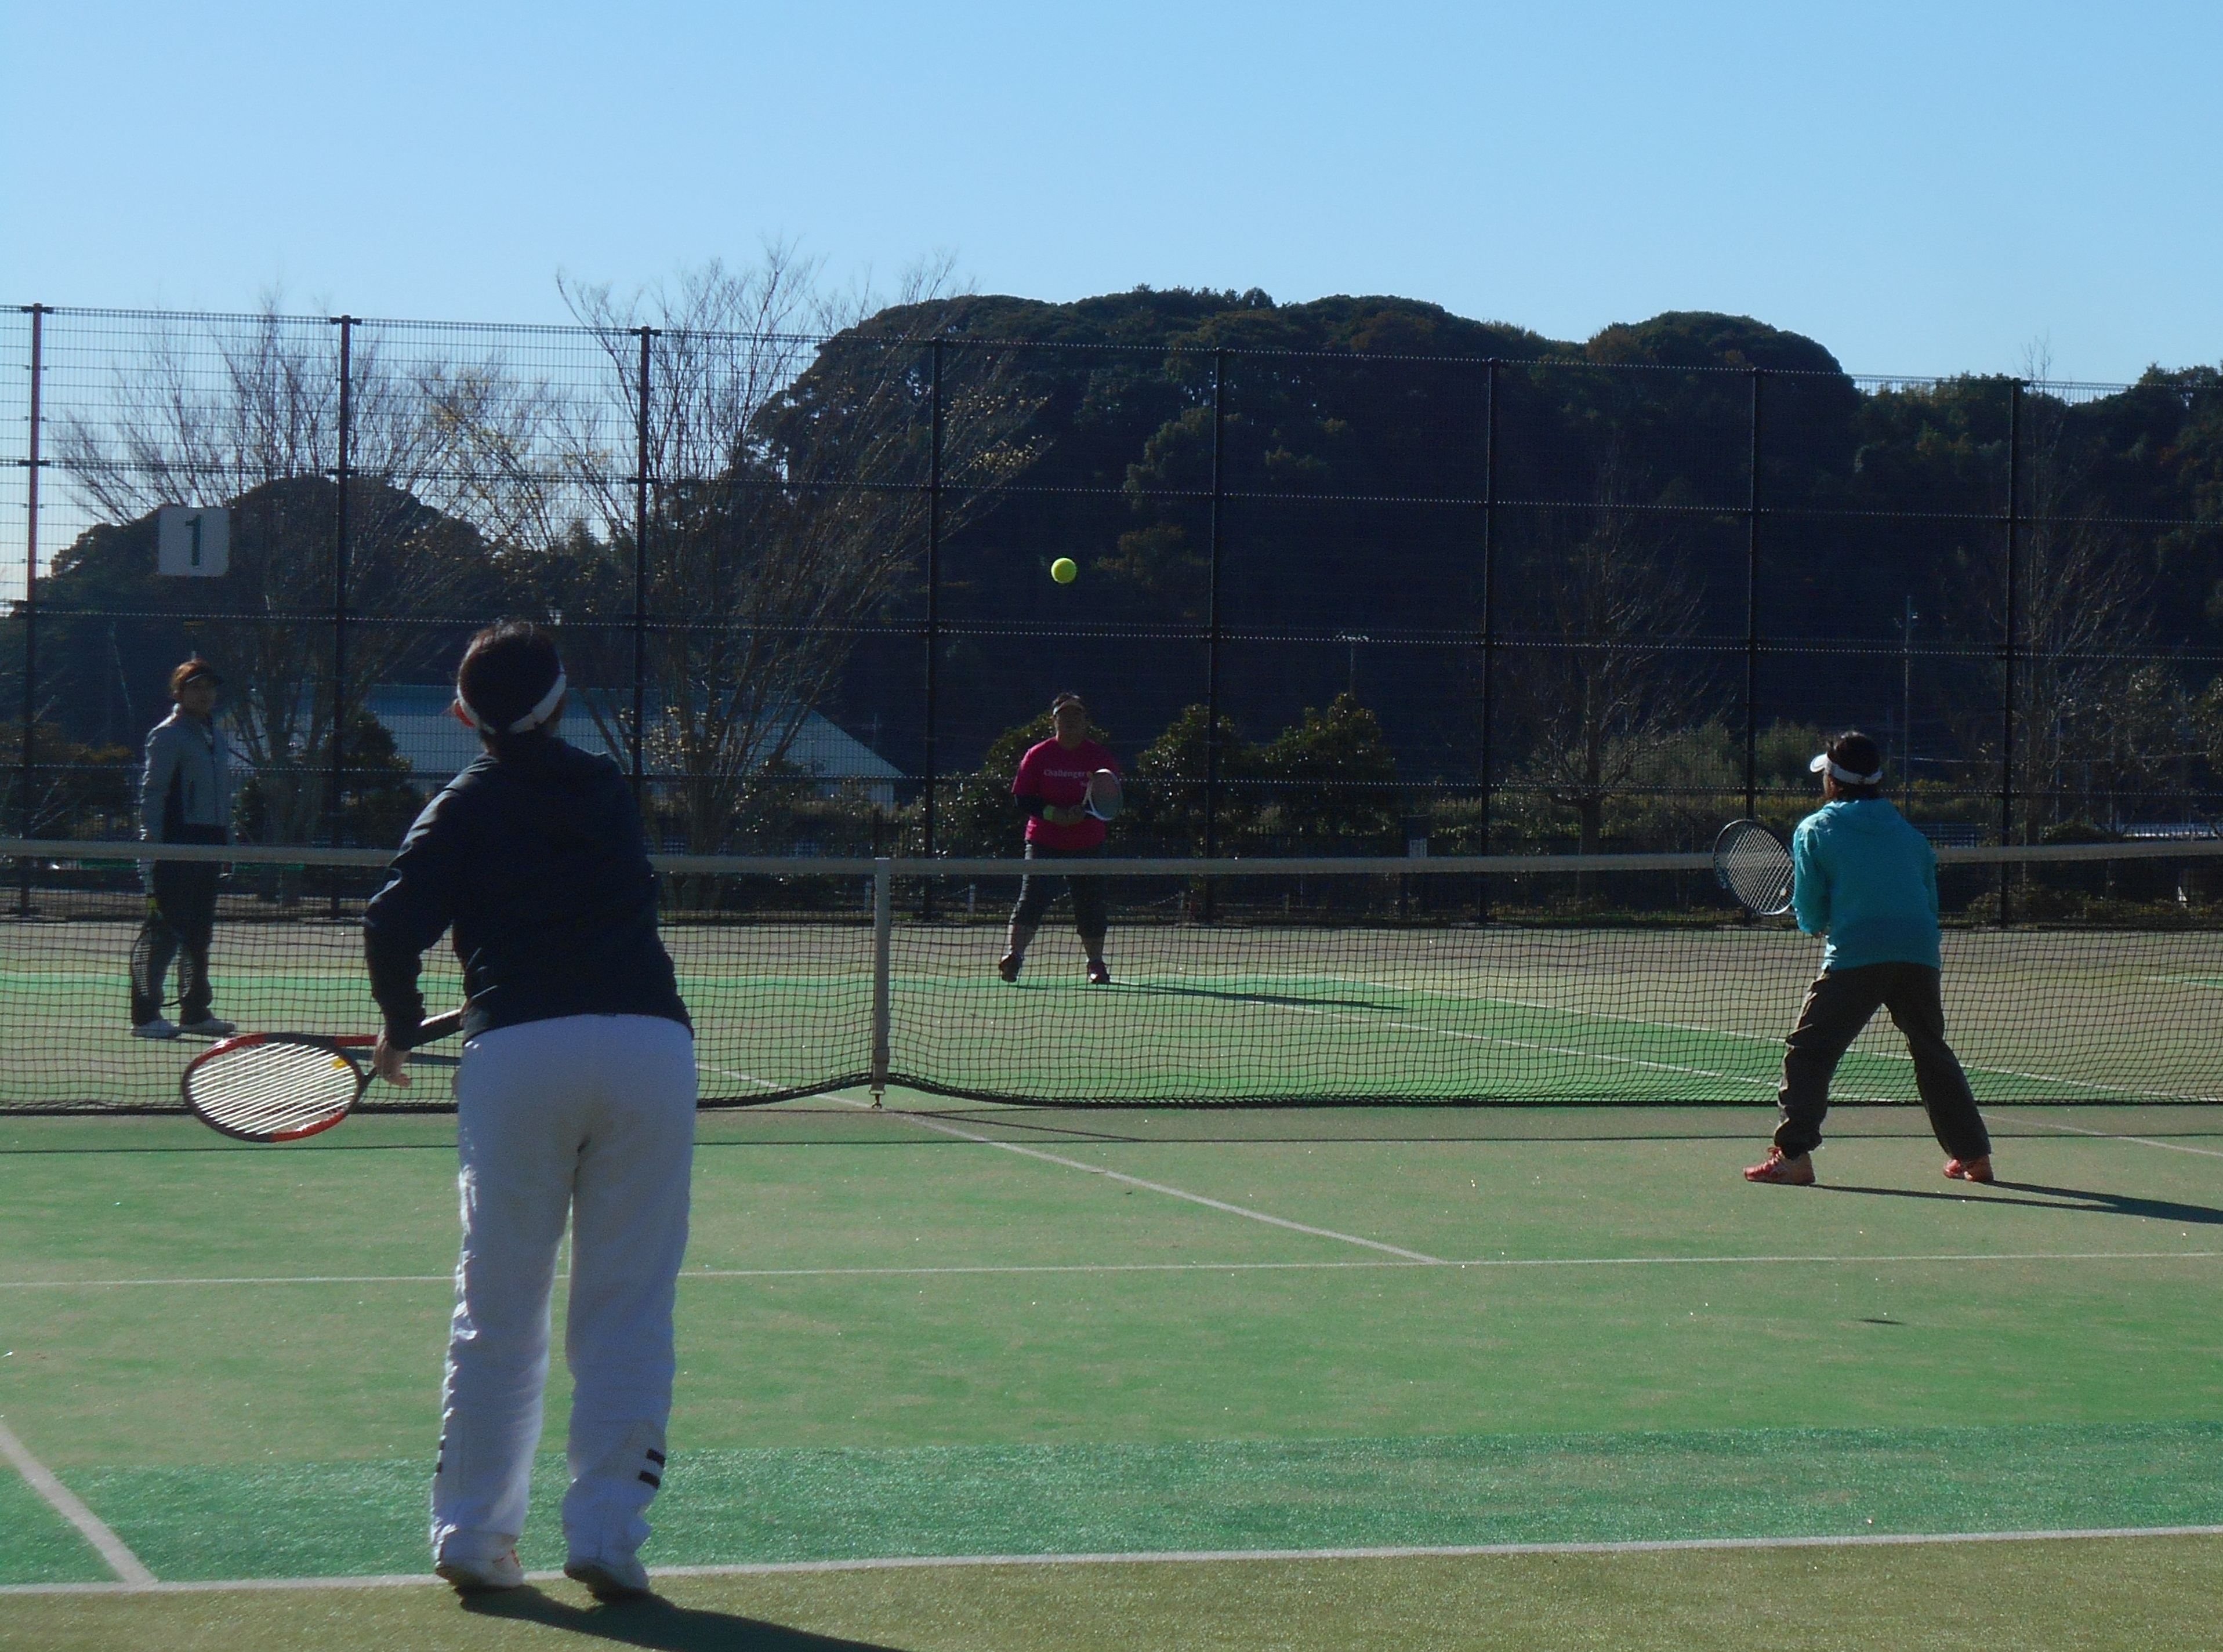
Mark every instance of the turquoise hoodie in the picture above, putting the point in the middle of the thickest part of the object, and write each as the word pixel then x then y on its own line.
pixel 1868 881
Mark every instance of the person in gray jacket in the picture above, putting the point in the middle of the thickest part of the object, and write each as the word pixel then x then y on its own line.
pixel 185 796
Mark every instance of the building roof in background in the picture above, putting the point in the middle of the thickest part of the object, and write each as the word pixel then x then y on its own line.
pixel 437 747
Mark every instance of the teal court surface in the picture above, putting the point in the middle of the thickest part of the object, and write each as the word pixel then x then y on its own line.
pixel 1341 1349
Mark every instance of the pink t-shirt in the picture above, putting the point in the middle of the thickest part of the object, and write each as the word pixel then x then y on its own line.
pixel 1056 776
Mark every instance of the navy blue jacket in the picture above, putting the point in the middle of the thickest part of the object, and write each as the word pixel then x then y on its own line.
pixel 537 862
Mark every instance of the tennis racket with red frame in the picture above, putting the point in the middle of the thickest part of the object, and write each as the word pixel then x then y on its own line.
pixel 283 1086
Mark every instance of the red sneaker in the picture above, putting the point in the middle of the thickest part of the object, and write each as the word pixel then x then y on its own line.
pixel 1008 966
pixel 1977 1169
pixel 1788 1170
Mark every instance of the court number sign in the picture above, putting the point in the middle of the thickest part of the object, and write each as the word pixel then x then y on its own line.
pixel 192 542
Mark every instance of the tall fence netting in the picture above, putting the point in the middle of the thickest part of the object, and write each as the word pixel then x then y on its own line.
pixel 1328 602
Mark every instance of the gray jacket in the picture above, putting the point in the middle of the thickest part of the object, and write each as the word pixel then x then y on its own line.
pixel 187 783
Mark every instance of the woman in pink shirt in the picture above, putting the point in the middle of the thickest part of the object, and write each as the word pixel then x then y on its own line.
pixel 1050 786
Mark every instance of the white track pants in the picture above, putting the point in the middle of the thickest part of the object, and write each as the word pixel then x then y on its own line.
pixel 592 1114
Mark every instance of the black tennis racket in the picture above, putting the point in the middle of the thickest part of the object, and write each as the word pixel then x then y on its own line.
pixel 282 1086
pixel 1752 864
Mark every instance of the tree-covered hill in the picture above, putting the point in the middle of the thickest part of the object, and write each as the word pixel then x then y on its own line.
pixel 1351 494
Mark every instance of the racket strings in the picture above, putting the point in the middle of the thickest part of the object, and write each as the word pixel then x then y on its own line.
pixel 1757 869
pixel 1102 798
pixel 272 1089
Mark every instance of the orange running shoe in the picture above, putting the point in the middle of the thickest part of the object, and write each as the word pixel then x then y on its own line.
pixel 1788 1170
pixel 1977 1169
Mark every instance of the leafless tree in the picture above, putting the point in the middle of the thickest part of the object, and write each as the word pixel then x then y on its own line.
pixel 247 415
pixel 1603 675
pixel 789 449
pixel 2094 718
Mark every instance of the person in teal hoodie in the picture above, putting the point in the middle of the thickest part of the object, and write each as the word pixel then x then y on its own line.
pixel 1867 880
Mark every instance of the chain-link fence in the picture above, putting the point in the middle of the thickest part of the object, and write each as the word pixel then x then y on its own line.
pixel 1326 602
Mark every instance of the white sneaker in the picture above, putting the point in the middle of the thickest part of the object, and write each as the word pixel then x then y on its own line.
pixel 480 1577
pixel 210 1026
pixel 607 1580
pixel 160 1027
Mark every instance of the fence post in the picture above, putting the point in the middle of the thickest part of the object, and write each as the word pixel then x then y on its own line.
pixel 345 476
pixel 641 583
pixel 883 948
pixel 933 626
pixel 1489 614
pixel 2007 644
pixel 1212 634
pixel 29 809
pixel 1752 614
pixel 641 579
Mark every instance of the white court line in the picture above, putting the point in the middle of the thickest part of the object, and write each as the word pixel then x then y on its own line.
pixel 2111 1092
pixel 2107 1136
pixel 926 1122
pixel 1172 1556
pixel 1262 1003
pixel 1851 1259
pixel 242 1279
pixel 747 1077
pixel 64 1502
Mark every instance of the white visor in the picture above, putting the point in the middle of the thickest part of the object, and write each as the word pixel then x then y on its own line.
pixel 1822 765
pixel 542 711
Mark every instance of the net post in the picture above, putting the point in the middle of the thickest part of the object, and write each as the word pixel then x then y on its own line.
pixel 883 946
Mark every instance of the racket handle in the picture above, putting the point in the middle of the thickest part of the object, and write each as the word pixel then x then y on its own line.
pixel 438 1027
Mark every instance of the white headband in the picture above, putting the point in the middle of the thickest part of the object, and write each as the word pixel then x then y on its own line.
pixel 542 711
pixel 1838 771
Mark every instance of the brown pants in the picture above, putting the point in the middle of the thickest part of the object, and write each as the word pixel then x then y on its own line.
pixel 1837 1006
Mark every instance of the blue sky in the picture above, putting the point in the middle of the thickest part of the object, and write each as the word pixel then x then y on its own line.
pixel 1923 188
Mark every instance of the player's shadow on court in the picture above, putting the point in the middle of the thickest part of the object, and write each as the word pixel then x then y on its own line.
pixel 1231 996
pixel 659 1623
pixel 2056 1198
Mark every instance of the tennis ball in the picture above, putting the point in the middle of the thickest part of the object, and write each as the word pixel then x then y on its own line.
pixel 1065 570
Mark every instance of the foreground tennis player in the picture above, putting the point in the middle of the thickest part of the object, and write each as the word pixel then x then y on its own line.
pixel 1051 787
pixel 576 1093
pixel 1866 879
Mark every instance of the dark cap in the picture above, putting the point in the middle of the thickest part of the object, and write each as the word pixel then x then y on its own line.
pixel 192 670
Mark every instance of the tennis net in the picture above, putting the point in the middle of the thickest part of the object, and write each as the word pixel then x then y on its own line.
pixel 2086 974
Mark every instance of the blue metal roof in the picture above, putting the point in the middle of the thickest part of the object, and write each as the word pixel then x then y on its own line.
pixel 436 746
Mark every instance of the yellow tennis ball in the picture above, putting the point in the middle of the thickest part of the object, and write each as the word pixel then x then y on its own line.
pixel 1065 570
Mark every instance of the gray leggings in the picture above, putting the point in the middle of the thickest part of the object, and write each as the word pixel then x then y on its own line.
pixel 1038 891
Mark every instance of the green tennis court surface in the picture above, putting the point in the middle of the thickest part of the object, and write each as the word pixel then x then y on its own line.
pixel 1001 1332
